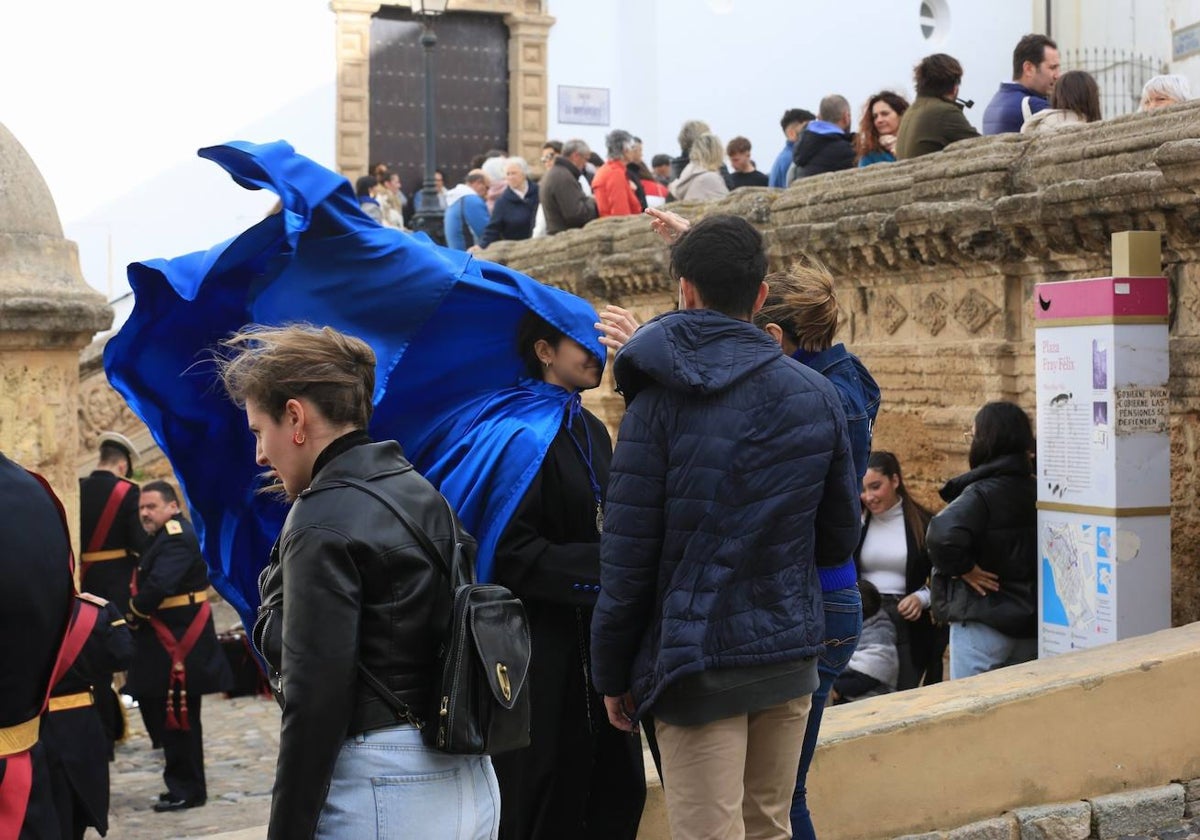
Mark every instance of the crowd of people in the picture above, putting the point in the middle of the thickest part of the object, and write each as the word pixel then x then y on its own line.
pixel 585 186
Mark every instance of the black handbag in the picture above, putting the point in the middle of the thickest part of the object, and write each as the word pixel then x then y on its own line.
pixel 482 706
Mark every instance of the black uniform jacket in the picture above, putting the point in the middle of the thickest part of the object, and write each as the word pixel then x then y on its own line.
pixel 171 565
pixel 76 742
pixel 348 583
pixel 109 578
pixel 35 603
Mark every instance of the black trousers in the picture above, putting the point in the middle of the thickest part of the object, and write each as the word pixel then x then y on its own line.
pixel 580 777
pixel 183 750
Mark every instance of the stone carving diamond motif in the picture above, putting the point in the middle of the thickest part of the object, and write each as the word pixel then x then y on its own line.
pixel 893 312
pixel 931 314
pixel 974 311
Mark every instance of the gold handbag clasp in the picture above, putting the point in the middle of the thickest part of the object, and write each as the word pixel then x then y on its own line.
pixel 505 685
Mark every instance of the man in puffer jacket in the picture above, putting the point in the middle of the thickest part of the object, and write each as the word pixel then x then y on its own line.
pixel 826 144
pixel 731 481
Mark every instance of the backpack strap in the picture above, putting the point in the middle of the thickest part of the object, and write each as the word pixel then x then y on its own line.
pixel 417 531
pixel 401 709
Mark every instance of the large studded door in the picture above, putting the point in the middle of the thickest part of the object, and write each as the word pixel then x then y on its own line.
pixel 471 69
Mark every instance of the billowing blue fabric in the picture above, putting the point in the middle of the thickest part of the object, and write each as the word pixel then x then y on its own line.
pixel 442 325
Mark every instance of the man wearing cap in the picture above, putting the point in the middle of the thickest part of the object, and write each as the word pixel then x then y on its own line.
pixel 177 657
pixel 110 537
pixel 110 534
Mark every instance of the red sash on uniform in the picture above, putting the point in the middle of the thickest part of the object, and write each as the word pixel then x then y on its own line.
pixel 18 769
pixel 178 652
pixel 104 523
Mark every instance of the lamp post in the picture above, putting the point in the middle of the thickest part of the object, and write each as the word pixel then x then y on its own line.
pixel 429 211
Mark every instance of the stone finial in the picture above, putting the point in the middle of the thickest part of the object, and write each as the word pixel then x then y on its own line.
pixel 44 301
pixel 47 314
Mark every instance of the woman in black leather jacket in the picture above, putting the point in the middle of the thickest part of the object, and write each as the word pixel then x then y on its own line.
pixel 983 547
pixel 348 586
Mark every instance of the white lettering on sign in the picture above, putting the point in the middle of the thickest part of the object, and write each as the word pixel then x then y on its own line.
pixel 1140 410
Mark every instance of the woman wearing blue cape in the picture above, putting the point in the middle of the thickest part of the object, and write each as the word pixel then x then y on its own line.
pixel 446 387
pixel 579 777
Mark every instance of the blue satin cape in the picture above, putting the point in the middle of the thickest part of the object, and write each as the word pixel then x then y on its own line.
pixel 449 387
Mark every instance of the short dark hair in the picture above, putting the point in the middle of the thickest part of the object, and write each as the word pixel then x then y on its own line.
pixel 1031 48
pixel 723 257
pixel 556 145
pixel 364 185
pixel 871 601
pixel 738 146
pixel 937 74
pixel 534 328
pixel 1001 428
pixel 114 453
pixel 795 115
pixel 163 489
pixel 1077 91
pixel 660 160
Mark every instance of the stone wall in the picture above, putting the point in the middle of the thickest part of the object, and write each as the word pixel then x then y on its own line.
pixel 937 259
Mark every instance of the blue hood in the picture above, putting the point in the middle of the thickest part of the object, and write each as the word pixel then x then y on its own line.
pixel 698 351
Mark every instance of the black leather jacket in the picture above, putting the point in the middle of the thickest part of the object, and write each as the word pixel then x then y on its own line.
pixel 991 521
pixel 347 583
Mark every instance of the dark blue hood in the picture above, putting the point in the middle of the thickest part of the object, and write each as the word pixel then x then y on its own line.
pixel 698 351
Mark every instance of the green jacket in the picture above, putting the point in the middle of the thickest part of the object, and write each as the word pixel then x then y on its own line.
pixel 930 125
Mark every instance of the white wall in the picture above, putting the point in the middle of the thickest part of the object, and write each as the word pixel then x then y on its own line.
pixel 112 100
pixel 739 64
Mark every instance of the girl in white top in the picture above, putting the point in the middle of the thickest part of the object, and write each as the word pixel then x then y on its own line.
pixel 892 556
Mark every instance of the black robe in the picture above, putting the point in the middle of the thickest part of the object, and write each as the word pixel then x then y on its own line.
pixel 579 777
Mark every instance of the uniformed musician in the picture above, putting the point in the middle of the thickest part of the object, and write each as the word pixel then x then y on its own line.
pixel 176 654
pixel 35 603
pixel 73 734
pixel 110 533
pixel 110 537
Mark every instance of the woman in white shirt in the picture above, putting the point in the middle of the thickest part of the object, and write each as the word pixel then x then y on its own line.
pixel 892 556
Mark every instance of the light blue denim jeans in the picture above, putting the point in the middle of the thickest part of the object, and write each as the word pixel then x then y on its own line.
pixel 843 626
pixel 976 648
pixel 387 784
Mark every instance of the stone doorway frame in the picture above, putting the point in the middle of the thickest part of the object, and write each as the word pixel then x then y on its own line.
pixel 528 31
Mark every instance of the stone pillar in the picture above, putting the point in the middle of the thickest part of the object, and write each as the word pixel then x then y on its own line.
pixel 353 84
pixel 47 315
pixel 527 83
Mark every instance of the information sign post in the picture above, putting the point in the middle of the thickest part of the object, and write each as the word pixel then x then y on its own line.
pixel 1103 453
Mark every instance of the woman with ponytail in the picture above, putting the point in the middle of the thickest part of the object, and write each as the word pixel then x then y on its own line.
pixel 892 556
pixel 801 313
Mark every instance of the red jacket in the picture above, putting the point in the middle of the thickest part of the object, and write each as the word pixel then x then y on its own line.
pixel 614 194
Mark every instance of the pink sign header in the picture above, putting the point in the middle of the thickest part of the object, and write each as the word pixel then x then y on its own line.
pixel 1101 297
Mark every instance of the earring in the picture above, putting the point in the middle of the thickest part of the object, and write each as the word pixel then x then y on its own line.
pixel 297 438
pixel 546 364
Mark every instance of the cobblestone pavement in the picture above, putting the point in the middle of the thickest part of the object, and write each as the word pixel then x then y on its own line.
pixel 241 739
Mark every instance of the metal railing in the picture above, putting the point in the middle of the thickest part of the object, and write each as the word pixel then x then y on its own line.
pixel 1120 75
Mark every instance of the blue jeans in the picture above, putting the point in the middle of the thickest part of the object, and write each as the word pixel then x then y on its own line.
pixel 387 784
pixel 843 624
pixel 976 648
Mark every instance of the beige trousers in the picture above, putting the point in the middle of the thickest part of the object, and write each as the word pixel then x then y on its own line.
pixel 733 779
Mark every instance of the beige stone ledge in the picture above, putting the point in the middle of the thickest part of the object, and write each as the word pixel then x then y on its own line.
pixel 1115 718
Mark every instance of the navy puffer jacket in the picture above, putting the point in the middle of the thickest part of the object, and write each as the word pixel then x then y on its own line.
pixel 732 477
